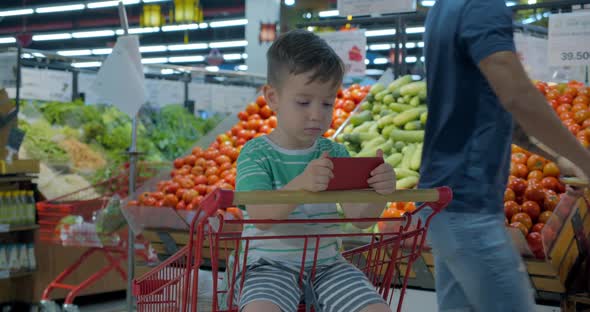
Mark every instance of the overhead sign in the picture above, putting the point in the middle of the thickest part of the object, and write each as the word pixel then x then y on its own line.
pixel 351 47
pixel 569 39
pixel 8 69
pixel 368 7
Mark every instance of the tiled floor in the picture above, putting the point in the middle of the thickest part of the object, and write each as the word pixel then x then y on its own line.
pixel 415 300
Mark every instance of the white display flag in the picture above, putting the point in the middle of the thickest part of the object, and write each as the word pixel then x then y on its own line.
pixel 120 80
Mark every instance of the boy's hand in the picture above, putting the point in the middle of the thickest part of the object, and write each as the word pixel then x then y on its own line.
pixel 382 178
pixel 317 174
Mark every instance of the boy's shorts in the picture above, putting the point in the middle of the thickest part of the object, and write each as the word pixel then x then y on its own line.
pixel 339 287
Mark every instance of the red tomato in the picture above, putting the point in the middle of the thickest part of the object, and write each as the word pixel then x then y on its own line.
pixel 519 158
pixel 253 108
pixel 532 209
pixel 261 101
pixel 189 195
pixel 170 200
pixel 197 170
pixel 522 218
pixel 358 96
pixel 511 208
pixel 535 242
pixel 348 106
pixel 518 185
pixel 551 200
pixel 509 195
pixel 536 162
pixel 574 128
pixel 545 216
pixel 243 115
pixel 537 227
pixel 172 188
pixel 178 163
pixel 551 170
pixel 565 99
pixel 550 183
pixel 534 192
pixel 265 112
pixel 535 175
pixel 570 91
pixel 552 95
pixel 562 108
pixel 521 227
pixel 181 206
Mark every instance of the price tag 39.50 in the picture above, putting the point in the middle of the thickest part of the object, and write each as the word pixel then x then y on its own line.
pixel 569 39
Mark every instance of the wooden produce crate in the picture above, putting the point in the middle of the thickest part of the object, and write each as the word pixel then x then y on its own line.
pixel 549 276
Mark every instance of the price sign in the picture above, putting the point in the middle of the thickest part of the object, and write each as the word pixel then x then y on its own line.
pixel 368 7
pixel 351 47
pixel 569 39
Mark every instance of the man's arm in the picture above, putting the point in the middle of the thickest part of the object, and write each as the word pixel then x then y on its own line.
pixel 517 94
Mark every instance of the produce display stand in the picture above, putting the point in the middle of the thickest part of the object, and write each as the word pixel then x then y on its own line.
pixel 205 234
pixel 80 231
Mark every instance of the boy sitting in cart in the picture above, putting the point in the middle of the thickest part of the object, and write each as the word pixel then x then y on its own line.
pixel 304 75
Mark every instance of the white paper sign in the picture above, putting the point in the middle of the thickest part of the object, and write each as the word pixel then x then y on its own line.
pixel 532 53
pixel 351 47
pixel 166 92
pixel 368 7
pixel 44 85
pixel 120 79
pixel 569 39
pixel 8 70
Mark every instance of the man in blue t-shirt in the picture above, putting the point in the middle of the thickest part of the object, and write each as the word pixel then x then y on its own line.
pixel 475 85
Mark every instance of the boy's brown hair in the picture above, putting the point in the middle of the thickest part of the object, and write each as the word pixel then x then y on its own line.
pixel 300 51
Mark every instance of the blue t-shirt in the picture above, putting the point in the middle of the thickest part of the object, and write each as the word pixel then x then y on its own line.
pixel 468 133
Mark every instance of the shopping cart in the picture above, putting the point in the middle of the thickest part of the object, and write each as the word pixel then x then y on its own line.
pixel 70 220
pixel 174 284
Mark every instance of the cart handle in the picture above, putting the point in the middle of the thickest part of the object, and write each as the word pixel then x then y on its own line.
pixel 437 198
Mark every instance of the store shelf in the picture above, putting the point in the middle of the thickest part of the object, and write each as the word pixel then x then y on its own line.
pixel 25 166
pixel 7 228
pixel 7 274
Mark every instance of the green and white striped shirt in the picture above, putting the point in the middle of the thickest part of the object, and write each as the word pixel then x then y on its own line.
pixel 263 165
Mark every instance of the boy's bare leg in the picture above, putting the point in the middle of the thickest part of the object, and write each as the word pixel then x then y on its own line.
pixel 266 306
pixel 377 307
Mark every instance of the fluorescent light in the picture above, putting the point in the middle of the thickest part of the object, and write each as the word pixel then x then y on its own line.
pixel 74 52
pixel 411 59
pixel 242 67
pixel 190 46
pixel 143 30
pixel 186 59
pixel 422 58
pixel 167 71
pixel 532 2
pixel 379 47
pixel 228 23
pixel 380 60
pixel 427 3
pixel 228 44
pixel 7 40
pixel 154 1
pixel 102 4
pixel 414 30
pixel 374 72
pixel 289 2
pixel 61 8
pixel 203 25
pixel 310 28
pixel 27 56
pixel 367 62
pixel 245 55
pixel 180 27
pixel 421 44
pixel 86 64
pixel 102 51
pixel 329 13
pixel 416 77
pixel 232 57
pixel 52 37
pixel 91 34
pixel 212 68
pixel 37 54
pixel 148 49
pixel 510 3
pixel 410 45
pixel 16 12
pixel 380 32
pixel 154 60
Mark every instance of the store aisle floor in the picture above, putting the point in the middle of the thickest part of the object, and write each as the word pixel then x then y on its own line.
pixel 415 301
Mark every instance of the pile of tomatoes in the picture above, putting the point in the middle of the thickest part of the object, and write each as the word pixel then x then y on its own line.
pixel 532 194
pixel 571 103
pixel 200 173
pixel 394 210
pixel 346 101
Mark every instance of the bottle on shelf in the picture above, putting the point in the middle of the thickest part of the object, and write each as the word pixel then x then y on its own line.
pixel 19 208
pixel 3 209
pixel 11 208
pixel 29 198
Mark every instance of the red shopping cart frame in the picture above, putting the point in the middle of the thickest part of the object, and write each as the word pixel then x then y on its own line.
pixel 174 284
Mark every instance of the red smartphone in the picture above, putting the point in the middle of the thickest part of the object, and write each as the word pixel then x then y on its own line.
pixel 352 173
